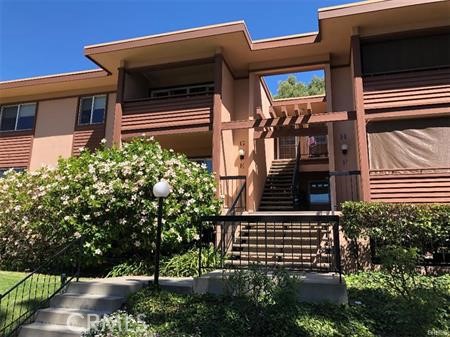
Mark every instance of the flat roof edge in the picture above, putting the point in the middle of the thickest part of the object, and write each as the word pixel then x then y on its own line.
pixel 368 6
pixel 45 79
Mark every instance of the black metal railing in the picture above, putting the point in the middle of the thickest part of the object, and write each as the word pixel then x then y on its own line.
pixel 293 242
pixel 347 185
pixel 296 202
pixel 233 190
pixel 19 304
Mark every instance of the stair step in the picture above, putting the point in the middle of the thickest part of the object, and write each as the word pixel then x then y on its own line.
pixel 87 302
pixel 323 266
pixel 261 247
pixel 104 288
pixel 49 330
pixel 73 317
pixel 274 240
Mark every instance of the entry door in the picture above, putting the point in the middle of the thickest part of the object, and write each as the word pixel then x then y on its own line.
pixel 287 147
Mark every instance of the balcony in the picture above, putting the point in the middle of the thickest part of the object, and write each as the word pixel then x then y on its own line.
pixel 167 115
pixel 168 99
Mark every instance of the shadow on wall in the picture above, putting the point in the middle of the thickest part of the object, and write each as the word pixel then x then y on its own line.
pixel 355 255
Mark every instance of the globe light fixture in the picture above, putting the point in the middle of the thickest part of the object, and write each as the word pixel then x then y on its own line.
pixel 160 190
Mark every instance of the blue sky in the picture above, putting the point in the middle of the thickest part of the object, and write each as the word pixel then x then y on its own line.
pixel 41 37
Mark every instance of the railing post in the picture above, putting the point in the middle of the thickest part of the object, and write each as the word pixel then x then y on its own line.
pixel 337 249
pixel 80 254
pixel 200 229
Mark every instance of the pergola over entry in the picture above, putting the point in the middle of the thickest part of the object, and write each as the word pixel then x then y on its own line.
pixel 302 125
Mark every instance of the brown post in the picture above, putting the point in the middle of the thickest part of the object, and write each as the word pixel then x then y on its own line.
pixel 217 117
pixel 117 129
pixel 360 118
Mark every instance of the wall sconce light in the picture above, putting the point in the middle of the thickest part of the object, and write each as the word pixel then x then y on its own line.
pixel 241 154
pixel 344 148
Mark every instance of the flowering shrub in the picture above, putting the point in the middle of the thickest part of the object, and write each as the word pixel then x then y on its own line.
pixel 119 324
pixel 107 197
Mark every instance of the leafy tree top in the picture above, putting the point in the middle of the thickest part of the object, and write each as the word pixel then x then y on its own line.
pixel 292 87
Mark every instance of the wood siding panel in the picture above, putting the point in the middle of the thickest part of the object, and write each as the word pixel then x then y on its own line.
pixel 419 88
pixel 413 188
pixel 154 116
pixel 88 137
pixel 15 150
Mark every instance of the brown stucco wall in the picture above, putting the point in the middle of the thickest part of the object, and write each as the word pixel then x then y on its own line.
pixel 54 131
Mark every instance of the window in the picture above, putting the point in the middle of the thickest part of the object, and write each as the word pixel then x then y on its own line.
pixel 205 162
pixel 319 192
pixel 17 117
pixel 4 170
pixel 183 91
pixel 92 110
pixel 318 146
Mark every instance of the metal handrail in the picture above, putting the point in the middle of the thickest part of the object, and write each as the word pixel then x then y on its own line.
pixel 242 191
pixel 295 181
pixel 325 228
pixel 13 303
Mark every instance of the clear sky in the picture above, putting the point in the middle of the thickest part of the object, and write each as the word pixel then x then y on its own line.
pixel 41 37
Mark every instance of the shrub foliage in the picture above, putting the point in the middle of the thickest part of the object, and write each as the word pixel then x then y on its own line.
pixel 106 197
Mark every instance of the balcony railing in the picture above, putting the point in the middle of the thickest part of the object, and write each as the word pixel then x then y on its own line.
pixel 163 115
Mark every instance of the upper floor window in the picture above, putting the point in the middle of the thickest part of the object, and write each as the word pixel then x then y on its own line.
pixel 92 110
pixel 17 117
pixel 183 91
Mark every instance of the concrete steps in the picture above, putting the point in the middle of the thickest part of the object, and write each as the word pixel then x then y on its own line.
pixel 82 304
pixel 277 194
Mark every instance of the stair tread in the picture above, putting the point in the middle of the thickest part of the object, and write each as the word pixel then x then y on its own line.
pixel 53 327
pixel 93 296
pixel 73 310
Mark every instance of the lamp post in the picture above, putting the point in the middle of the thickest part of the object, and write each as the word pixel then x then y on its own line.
pixel 160 190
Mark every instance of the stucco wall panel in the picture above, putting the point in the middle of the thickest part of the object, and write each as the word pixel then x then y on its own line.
pixel 54 131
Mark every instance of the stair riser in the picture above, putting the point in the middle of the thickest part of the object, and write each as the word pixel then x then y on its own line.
pixel 71 319
pixel 285 259
pixel 101 304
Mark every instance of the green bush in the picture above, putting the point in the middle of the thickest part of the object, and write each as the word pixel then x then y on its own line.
pixel 119 324
pixel 186 264
pixel 412 225
pixel 131 268
pixel 105 196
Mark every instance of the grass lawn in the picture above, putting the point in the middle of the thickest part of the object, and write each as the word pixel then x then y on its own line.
pixel 373 310
pixel 8 279
pixel 25 297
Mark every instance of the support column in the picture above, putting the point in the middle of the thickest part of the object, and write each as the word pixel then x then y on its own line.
pixel 216 117
pixel 330 140
pixel 361 131
pixel 117 129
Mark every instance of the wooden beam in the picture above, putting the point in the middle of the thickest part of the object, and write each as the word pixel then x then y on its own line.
pixel 285 132
pixel 293 120
pixel 360 118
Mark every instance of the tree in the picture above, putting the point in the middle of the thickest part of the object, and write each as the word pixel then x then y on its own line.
pixel 291 87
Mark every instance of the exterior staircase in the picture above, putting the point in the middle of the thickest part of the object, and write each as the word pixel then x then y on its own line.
pixel 300 246
pixel 70 313
pixel 278 189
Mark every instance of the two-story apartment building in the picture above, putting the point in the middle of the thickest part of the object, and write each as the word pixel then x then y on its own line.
pixel 381 132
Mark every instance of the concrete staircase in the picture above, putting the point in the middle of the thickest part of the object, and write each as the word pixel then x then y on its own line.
pixel 277 195
pixel 304 246
pixel 69 313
